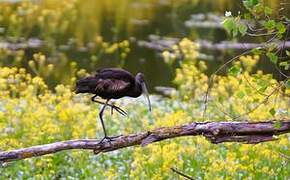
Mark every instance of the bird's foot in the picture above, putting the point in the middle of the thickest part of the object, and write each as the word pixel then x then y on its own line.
pixel 108 139
pixel 104 140
pixel 118 109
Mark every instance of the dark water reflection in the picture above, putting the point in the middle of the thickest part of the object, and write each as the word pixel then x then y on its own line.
pixel 136 20
pixel 169 21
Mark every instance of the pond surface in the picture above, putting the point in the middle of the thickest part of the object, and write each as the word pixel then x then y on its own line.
pixel 137 21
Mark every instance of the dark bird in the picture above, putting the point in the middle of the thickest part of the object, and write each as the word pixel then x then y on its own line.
pixel 112 83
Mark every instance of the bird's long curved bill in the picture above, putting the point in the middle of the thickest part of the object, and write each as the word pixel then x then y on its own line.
pixel 146 94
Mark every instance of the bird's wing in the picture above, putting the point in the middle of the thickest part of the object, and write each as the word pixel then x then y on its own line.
pixel 111 85
pixel 114 73
pixel 108 70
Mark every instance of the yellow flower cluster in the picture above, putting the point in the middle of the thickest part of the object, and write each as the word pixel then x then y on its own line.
pixel 30 114
pixel 245 95
pixel 185 48
pixel 62 33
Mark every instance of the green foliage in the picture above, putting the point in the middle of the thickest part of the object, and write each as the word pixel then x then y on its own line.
pixel 234 26
pixel 285 64
pixel 30 114
pixel 243 29
pixel 235 70
pixel 273 57
pixel 270 25
pixel 267 23
pixel 281 28
pixel 287 84
pixel 272 111
pixel 250 3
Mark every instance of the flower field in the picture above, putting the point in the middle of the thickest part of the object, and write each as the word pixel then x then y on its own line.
pixel 32 114
pixel 38 104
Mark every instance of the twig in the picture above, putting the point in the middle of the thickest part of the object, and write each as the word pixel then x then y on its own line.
pixel 215 132
pixel 284 156
pixel 261 34
pixel 211 79
pixel 181 174
pixel 261 103
pixel 250 84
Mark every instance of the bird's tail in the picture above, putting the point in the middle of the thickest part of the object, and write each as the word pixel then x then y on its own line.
pixel 86 85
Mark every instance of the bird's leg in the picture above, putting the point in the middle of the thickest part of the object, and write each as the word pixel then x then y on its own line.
pixel 101 117
pixel 118 109
pixel 103 124
pixel 112 109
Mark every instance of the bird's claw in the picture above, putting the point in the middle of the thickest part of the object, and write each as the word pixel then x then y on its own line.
pixel 119 110
pixel 104 140
pixel 108 139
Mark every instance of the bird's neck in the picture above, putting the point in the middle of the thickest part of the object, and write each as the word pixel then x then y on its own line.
pixel 137 90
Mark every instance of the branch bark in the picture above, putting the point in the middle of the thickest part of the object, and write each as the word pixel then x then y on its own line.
pixel 166 44
pixel 216 132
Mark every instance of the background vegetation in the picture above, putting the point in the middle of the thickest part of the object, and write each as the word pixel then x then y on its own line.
pixel 45 46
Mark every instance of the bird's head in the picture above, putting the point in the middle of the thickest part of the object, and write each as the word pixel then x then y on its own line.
pixel 140 79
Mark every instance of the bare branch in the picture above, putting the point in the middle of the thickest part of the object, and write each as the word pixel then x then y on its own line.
pixel 181 173
pixel 216 132
pixel 261 103
pixel 284 156
pixel 212 77
pixel 166 44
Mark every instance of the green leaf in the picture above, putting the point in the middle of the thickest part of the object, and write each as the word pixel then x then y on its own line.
pixel 254 2
pixel 228 24
pixel 285 64
pixel 257 51
pixel 241 94
pixel 235 70
pixel 268 10
pixel 287 53
pixel 281 28
pixel 231 25
pixel 273 58
pixel 277 124
pixel 250 3
pixel 235 31
pixel 259 8
pixel 256 100
pixel 247 4
pixel 262 85
pixel 243 29
pixel 270 25
pixel 263 89
pixel 287 84
pixel 272 111
pixel 247 16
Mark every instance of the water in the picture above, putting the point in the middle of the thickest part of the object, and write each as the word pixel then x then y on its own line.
pixel 138 20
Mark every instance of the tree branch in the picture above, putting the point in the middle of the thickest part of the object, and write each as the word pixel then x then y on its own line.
pixel 216 132
pixel 181 174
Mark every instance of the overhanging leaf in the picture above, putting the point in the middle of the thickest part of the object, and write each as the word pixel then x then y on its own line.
pixel 277 125
pixel 270 24
pixel 287 84
pixel 272 111
pixel 273 58
pixel 243 29
pixel 235 70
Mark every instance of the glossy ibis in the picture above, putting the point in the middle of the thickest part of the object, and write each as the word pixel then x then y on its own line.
pixel 112 83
